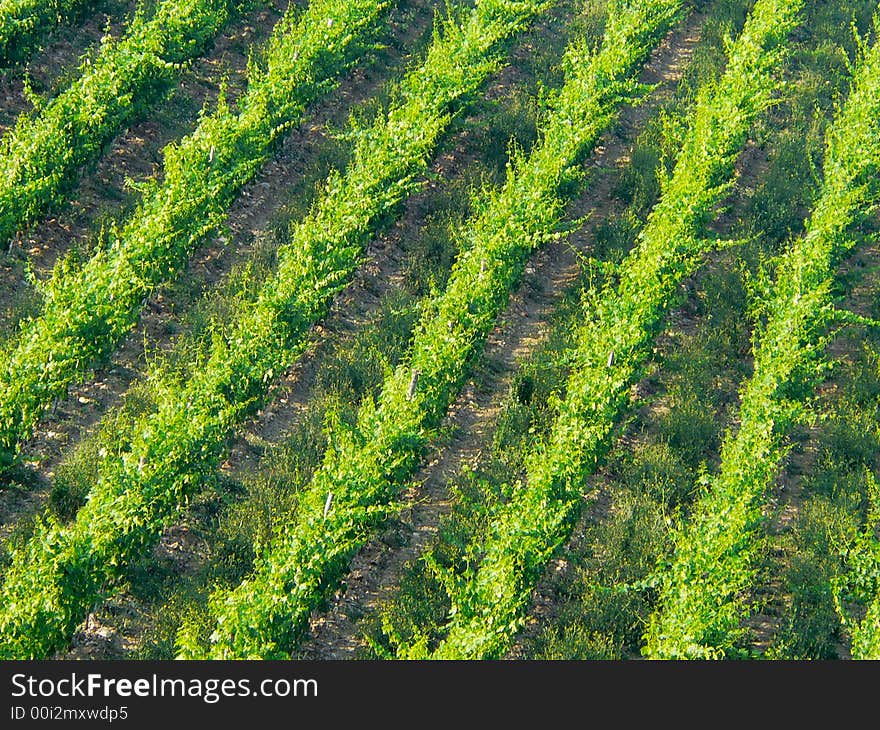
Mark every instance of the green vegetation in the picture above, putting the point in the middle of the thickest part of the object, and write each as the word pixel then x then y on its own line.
pixel 145 480
pixel 24 22
pixel 355 488
pixel 489 598
pixel 626 364
pixel 827 559
pixel 88 308
pixel 42 156
pixel 700 609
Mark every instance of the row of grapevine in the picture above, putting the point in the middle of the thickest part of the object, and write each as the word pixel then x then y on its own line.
pixel 701 598
pixel 87 309
pixel 364 468
pixel 489 599
pixel 859 585
pixel 23 22
pixel 143 484
pixel 42 156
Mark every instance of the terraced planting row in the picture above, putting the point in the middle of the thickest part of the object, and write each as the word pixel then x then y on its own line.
pixel 708 184
pixel 363 470
pixel 700 610
pixel 24 22
pixel 620 321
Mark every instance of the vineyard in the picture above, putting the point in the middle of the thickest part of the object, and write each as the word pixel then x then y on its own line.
pixel 401 329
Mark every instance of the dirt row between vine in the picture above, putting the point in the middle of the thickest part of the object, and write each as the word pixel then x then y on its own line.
pixel 377 569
